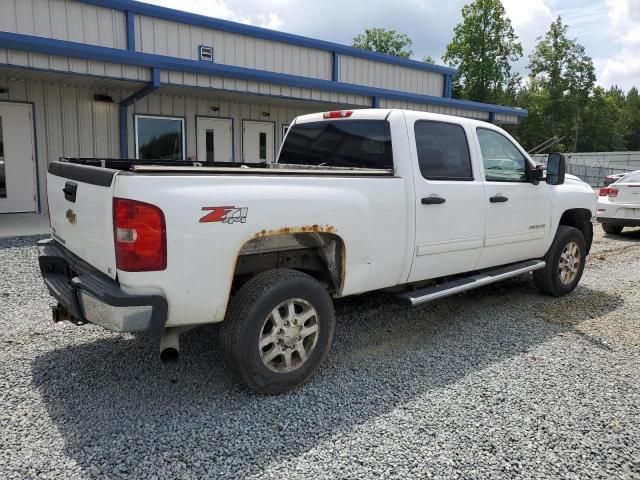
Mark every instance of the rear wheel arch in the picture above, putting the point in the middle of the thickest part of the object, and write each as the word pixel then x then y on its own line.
pixel 319 254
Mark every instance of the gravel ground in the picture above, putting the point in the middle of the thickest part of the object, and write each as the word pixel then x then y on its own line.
pixel 500 382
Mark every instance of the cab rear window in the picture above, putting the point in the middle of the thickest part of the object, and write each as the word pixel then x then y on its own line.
pixel 339 143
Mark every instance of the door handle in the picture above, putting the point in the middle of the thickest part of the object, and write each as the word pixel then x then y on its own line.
pixel 498 199
pixel 433 200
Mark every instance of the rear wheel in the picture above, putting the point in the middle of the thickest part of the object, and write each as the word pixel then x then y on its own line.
pixel 565 262
pixel 612 229
pixel 278 330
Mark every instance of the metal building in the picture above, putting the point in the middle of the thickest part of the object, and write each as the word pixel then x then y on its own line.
pixel 119 78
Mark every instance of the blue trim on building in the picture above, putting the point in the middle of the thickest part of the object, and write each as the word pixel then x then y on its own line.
pixel 131 31
pixel 447 93
pixel 163 13
pixel 492 117
pixel 335 66
pixel 375 102
pixel 123 112
pixel 114 55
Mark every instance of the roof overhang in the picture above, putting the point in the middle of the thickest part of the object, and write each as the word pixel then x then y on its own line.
pixel 51 46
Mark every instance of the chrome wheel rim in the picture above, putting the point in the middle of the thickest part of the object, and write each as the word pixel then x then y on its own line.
pixel 570 259
pixel 288 335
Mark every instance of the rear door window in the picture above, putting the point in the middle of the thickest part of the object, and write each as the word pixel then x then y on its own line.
pixel 339 143
pixel 443 151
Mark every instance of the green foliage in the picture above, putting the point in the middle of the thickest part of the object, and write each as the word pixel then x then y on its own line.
pixel 384 41
pixel 631 119
pixel 428 59
pixel 560 67
pixel 482 49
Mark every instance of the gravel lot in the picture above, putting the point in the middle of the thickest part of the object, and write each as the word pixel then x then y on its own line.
pixel 500 382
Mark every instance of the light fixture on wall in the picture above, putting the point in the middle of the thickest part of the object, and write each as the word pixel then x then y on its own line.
pixel 213 108
pixel 266 114
pixel 103 98
pixel 3 90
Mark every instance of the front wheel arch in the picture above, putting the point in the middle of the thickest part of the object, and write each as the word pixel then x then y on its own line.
pixel 580 219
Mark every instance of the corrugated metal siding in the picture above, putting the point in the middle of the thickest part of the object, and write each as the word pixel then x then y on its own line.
pixel 231 84
pixel 460 112
pixel 68 122
pixel 506 118
pixel 361 71
pixel 64 20
pixel 164 37
pixel 73 65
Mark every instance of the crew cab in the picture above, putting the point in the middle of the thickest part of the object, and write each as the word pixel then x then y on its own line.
pixel 417 204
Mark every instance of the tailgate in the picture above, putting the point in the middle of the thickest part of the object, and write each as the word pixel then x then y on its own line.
pixel 80 208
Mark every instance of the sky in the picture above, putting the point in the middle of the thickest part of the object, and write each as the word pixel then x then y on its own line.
pixel 608 29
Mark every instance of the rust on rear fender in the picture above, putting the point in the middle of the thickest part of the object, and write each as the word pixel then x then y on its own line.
pixel 302 229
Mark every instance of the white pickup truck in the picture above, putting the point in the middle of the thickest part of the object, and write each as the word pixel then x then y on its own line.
pixel 418 204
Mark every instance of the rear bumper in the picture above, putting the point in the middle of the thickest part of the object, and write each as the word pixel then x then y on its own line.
pixel 625 222
pixel 88 296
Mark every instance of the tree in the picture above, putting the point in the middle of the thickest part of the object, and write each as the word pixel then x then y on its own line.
pixel 602 125
pixel 428 59
pixel 482 49
pixel 560 66
pixel 384 41
pixel 631 119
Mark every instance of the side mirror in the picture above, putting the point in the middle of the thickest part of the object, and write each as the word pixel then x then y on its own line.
pixel 555 169
pixel 536 173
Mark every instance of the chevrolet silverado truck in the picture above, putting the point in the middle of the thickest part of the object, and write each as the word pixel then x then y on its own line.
pixel 416 204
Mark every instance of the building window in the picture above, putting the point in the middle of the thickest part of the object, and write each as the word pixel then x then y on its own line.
pixel 3 181
pixel 210 145
pixel 159 138
pixel 263 146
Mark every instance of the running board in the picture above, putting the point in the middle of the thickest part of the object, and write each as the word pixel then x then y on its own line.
pixel 424 295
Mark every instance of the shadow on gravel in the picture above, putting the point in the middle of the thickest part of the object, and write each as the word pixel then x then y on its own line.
pixel 627 235
pixel 20 242
pixel 114 403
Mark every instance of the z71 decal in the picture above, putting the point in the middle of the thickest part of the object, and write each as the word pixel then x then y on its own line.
pixel 225 215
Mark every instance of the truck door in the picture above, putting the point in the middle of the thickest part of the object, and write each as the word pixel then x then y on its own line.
pixel 518 212
pixel 450 210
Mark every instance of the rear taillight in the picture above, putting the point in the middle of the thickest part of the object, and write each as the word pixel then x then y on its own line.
pixel 140 236
pixel 613 192
pixel 604 191
pixel 338 114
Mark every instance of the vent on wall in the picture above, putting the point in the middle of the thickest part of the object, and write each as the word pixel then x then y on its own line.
pixel 206 53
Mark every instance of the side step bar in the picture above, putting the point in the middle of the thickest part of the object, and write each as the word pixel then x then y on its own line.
pixel 424 295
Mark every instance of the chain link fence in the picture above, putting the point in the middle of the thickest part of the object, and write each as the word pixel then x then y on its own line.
pixel 593 167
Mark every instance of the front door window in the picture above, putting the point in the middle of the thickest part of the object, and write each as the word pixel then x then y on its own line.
pixel 503 162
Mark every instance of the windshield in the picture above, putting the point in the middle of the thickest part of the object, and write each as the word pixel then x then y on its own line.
pixel 339 143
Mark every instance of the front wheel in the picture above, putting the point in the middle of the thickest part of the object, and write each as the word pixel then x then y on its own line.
pixel 612 229
pixel 565 263
pixel 278 330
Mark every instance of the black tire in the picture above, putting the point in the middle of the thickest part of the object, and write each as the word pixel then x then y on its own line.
pixel 612 229
pixel 244 323
pixel 548 279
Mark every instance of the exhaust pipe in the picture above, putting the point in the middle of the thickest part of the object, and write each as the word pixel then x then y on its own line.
pixel 170 343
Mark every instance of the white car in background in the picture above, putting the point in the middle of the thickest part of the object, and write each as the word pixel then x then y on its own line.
pixel 619 204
